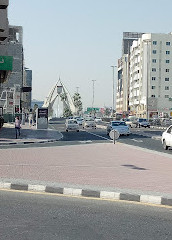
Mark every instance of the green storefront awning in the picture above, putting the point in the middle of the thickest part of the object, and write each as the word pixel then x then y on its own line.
pixel 6 63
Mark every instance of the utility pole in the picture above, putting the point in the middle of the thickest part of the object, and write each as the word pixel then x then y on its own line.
pixel 113 89
pixel 77 89
pixel 93 94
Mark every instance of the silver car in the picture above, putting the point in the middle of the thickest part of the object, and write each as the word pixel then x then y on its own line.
pixel 120 126
pixel 89 123
pixel 71 124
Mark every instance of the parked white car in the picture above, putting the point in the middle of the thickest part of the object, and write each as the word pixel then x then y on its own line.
pixel 71 124
pixel 167 138
pixel 79 120
pixel 98 120
pixel 89 123
pixel 131 123
pixel 120 126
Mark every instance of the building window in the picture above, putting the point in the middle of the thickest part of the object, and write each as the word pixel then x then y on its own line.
pixel 153 78
pixel 167 52
pixel 154 42
pixel 167 61
pixel 167 69
pixel 166 87
pixel 168 43
pixel 152 95
pixel 154 60
pixel 154 51
pixel 167 79
pixel 166 96
pixel 153 87
pixel 153 69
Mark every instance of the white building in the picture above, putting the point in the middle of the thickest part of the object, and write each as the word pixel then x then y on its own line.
pixel 122 85
pixel 150 81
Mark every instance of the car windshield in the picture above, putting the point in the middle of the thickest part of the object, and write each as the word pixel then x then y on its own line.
pixel 122 123
pixel 72 122
pixel 142 120
pixel 115 124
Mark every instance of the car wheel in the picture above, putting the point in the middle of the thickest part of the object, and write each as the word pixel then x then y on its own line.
pixel 148 126
pixel 95 127
pixel 67 130
pixel 128 134
pixel 164 145
pixel 77 130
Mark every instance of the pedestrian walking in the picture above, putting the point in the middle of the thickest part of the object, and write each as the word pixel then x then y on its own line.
pixel 17 126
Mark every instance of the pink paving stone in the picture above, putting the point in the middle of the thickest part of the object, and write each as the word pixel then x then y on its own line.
pixel 94 164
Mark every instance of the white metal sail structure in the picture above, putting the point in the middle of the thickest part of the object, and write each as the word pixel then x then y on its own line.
pixel 54 93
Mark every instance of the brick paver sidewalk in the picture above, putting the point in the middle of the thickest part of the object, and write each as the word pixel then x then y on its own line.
pixel 102 165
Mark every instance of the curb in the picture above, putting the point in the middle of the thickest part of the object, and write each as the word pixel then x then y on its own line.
pixel 28 142
pixel 79 192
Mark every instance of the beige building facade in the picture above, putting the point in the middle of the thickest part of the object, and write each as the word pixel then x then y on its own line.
pixel 150 81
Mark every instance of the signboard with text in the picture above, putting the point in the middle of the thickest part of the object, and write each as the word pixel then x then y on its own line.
pixel 6 63
pixel 42 118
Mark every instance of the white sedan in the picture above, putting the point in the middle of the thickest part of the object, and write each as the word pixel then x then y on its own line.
pixel 120 126
pixel 167 138
pixel 89 123
pixel 71 124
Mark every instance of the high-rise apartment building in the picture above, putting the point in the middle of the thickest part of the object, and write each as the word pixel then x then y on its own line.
pixel 15 94
pixel 5 59
pixel 122 91
pixel 122 85
pixel 3 21
pixel 150 81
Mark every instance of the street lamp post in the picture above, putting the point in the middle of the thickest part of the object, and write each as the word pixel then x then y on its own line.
pixel 77 91
pixel 93 94
pixel 113 89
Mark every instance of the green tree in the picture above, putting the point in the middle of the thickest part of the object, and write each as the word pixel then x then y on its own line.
pixel 67 112
pixel 107 112
pixel 77 102
pixel 63 97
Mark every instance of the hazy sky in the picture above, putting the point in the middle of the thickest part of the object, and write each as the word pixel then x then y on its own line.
pixel 79 40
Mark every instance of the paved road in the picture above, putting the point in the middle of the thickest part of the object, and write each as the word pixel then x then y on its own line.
pixel 44 217
pixel 145 138
pixel 141 137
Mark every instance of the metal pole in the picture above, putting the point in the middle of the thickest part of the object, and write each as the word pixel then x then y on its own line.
pixel 113 89
pixel 77 89
pixel 93 94
pixel 147 109
pixel 114 136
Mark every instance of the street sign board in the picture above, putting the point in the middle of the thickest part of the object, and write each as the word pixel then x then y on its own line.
pixel 89 109
pixel 42 118
pixel 6 63
pixel 114 133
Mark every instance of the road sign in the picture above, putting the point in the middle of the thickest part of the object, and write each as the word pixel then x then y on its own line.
pixel 114 135
pixel 89 109
pixel 6 63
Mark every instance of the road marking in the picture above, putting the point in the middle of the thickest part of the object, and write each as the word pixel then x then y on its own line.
pixel 135 140
pixel 87 141
pixel 87 198
pixel 97 135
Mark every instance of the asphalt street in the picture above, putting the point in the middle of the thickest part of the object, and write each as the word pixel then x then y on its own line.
pixel 141 137
pixel 44 217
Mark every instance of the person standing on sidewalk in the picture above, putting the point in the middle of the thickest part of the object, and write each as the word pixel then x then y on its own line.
pixel 17 126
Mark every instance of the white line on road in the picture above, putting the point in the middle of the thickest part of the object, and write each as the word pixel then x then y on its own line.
pixel 97 135
pixel 135 140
